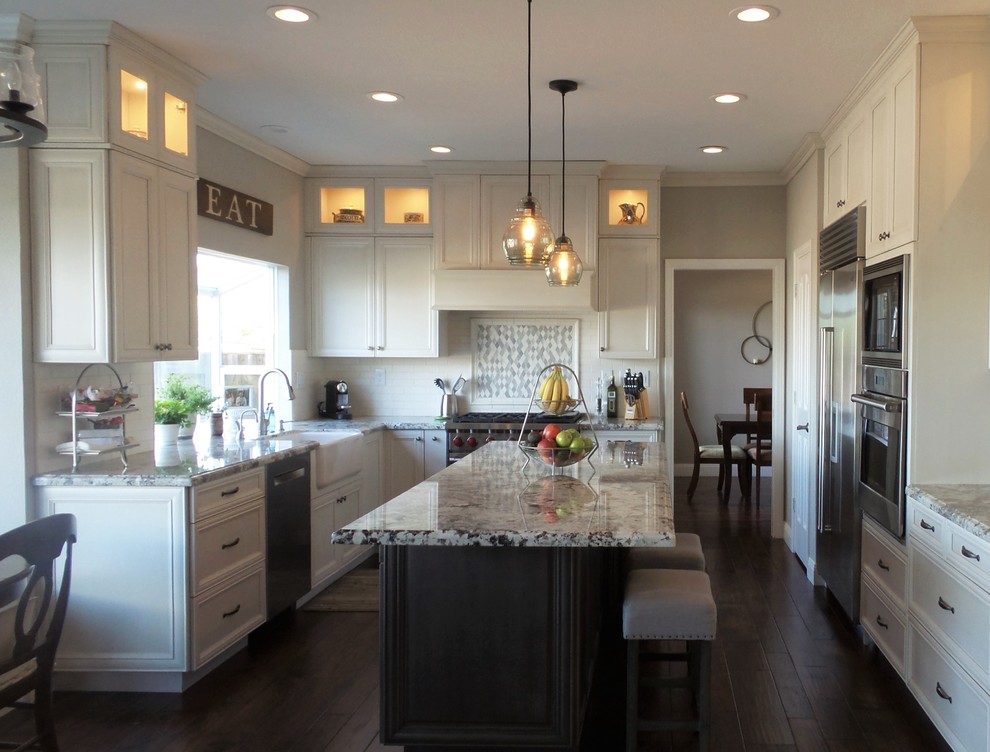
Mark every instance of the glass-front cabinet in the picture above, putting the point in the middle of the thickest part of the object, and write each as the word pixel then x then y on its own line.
pixel 368 206
pixel 628 207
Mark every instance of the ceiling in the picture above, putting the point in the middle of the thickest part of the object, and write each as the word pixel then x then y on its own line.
pixel 646 70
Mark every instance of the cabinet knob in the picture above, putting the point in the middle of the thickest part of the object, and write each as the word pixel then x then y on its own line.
pixel 380 347
pixel 434 438
pixel 840 203
pixel 168 346
pixel 419 438
pixel 601 349
pixel 370 347
pixel 803 427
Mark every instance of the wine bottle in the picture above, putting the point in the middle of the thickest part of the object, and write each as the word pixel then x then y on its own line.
pixel 611 399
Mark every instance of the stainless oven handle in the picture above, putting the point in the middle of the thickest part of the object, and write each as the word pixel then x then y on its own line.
pixel 888 406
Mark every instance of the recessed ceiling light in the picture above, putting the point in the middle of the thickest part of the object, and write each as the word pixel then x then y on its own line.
pixel 275 130
pixel 713 149
pixel 291 13
pixel 728 98
pixel 384 96
pixel 755 13
pixel 441 149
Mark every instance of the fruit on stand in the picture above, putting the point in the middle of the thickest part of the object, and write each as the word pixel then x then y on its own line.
pixel 550 431
pixel 546 448
pixel 554 393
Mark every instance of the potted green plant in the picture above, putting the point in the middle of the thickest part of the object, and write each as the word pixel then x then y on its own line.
pixel 195 398
pixel 170 415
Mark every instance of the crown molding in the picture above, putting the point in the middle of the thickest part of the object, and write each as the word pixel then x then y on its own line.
pixel 416 172
pixel 952 29
pixel 220 127
pixel 809 145
pixel 541 167
pixel 633 172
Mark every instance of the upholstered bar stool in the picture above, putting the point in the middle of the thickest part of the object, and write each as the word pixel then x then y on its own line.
pixel 669 604
pixel 686 553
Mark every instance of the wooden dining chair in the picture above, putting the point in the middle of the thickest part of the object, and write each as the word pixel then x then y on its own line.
pixel 713 454
pixel 750 396
pixel 760 452
pixel 34 595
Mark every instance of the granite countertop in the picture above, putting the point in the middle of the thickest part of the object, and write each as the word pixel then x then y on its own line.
pixel 967 505
pixel 487 499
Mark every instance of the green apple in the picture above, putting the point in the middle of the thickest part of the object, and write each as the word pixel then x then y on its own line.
pixel 565 437
pixel 589 443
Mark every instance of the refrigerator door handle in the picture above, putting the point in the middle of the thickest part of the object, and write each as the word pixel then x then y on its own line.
pixel 825 415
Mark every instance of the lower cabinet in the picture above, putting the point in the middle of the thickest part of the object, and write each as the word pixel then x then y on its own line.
pixel 882 603
pixel 164 580
pixel 948 635
pixel 331 510
pixel 412 455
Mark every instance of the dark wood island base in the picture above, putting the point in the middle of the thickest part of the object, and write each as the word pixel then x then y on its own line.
pixel 489 648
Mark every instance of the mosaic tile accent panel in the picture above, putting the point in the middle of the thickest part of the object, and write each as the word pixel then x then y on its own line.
pixel 509 353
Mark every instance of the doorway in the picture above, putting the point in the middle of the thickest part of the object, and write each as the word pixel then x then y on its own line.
pixel 685 272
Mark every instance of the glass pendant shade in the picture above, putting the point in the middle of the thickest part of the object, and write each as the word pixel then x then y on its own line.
pixel 528 239
pixel 564 267
pixel 21 110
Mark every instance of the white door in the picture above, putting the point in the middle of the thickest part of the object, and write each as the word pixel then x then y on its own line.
pixel 802 466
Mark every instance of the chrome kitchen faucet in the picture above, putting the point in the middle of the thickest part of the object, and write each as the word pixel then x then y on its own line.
pixel 263 419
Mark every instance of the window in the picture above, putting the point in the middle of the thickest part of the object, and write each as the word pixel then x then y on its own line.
pixel 238 329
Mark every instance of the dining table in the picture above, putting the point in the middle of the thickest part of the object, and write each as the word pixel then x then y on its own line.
pixel 727 426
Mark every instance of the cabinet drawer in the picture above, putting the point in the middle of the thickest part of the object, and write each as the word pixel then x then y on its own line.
pixel 958 707
pixel 226 543
pixel 223 616
pixel 883 623
pixel 211 498
pixel 970 555
pixel 886 565
pixel 952 608
pixel 926 527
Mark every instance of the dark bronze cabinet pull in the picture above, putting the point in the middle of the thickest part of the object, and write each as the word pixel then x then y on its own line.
pixel 231 544
pixel 969 554
pixel 231 613
pixel 942 693
pixel 880 622
pixel 945 606
pixel 926 526
pixel 234 490
pixel 882 566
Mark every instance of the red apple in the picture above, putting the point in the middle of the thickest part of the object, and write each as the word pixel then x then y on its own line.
pixel 545 449
pixel 550 431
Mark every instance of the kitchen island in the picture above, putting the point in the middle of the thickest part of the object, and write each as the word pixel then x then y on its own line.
pixel 501 593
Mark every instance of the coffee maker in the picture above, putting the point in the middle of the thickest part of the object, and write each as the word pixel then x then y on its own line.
pixel 337 403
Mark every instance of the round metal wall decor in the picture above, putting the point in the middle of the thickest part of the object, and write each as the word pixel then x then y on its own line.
pixel 756 342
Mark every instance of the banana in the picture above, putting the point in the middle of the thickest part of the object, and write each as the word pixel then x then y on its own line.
pixel 555 395
pixel 546 386
pixel 564 390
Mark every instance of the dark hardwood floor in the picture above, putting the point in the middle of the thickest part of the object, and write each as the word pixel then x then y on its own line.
pixel 788 672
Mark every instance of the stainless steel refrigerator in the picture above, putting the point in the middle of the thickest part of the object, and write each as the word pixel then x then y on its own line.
pixel 839 524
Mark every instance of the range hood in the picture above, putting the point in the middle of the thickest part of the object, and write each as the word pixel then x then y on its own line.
pixel 511 290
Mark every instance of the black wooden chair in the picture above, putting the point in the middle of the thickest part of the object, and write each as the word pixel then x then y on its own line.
pixel 713 454
pixel 34 596
pixel 760 452
pixel 751 396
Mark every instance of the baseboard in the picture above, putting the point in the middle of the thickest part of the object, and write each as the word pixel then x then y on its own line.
pixel 710 470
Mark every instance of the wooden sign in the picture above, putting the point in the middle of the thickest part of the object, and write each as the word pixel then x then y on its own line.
pixel 233 207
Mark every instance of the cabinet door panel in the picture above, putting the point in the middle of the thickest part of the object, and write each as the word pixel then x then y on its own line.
pixel 903 199
pixel 134 242
pixel 581 216
pixel 407 324
pixel 500 194
pixel 458 215
pixel 405 455
pixel 627 297
pixel 69 231
pixel 835 179
pixel 177 266
pixel 342 297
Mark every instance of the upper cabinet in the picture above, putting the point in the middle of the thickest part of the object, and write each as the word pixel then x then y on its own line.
pixel 369 206
pixel 892 212
pixel 113 88
pixel 628 207
pixel 628 280
pixel 473 211
pixel 847 167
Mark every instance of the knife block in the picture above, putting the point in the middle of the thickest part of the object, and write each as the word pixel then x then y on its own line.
pixel 640 409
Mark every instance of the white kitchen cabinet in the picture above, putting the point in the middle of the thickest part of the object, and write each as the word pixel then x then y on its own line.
pixel 153 246
pixel 892 209
pixel 458 221
pixel 130 593
pixel 606 436
pixel 116 88
pixel 883 602
pixel 628 280
pixel 369 206
pixel 500 195
pixel 847 167
pixel 412 455
pixel 331 510
pixel 372 297
pixel 948 650
pixel 372 471
pixel 113 240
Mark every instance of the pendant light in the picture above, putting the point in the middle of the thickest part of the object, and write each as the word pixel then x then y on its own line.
pixel 21 112
pixel 528 238
pixel 563 267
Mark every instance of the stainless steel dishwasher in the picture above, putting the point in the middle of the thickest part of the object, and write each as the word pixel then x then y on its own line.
pixel 287 518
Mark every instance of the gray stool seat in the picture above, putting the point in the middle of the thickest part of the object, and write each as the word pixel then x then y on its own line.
pixel 669 604
pixel 686 553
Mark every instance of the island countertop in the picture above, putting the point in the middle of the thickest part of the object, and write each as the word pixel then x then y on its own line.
pixel 487 499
